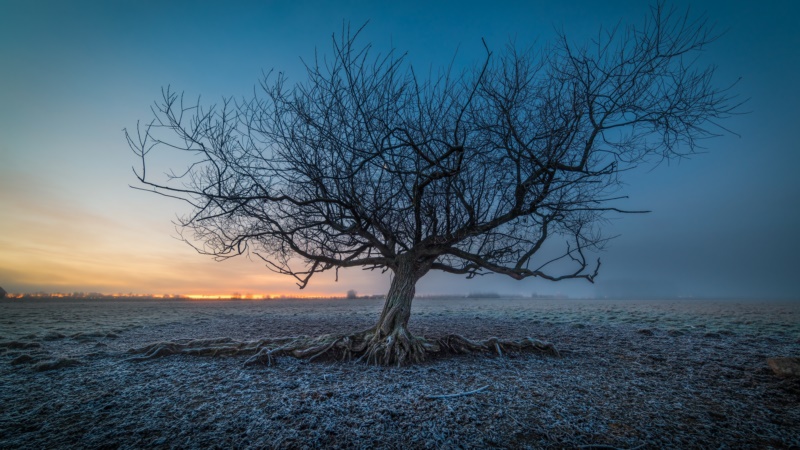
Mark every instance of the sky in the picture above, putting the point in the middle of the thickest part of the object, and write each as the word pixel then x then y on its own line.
pixel 73 75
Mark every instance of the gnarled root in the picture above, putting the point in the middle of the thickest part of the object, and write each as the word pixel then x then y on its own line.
pixel 342 347
pixel 206 347
pixel 454 343
pixel 399 347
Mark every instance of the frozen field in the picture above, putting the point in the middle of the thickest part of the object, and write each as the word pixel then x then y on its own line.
pixel 44 319
pixel 647 374
pixel 40 320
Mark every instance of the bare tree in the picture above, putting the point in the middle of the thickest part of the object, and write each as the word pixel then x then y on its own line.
pixel 365 164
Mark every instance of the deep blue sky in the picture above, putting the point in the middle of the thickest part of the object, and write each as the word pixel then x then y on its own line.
pixel 74 74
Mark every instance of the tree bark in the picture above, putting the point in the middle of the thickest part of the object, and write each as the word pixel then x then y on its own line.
pixel 397 307
pixel 391 342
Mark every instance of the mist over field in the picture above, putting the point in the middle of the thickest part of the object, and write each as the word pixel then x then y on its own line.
pixel 38 319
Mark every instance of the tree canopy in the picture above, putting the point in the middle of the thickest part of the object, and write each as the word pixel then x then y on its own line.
pixel 367 164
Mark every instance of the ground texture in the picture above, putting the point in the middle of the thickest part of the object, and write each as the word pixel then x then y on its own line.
pixel 641 383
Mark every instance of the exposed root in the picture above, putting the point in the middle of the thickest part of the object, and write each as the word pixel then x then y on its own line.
pixel 399 348
pixel 454 343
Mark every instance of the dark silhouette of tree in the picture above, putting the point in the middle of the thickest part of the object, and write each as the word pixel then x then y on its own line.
pixel 351 294
pixel 366 164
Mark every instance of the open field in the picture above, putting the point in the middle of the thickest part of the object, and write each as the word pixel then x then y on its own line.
pixel 646 374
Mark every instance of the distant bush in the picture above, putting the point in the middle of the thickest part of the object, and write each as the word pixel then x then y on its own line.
pixel 352 294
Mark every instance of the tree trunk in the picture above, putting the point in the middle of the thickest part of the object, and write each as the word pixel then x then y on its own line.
pixel 397 307
pixel 391 342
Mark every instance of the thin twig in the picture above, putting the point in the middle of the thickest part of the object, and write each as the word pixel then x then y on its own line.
pixel 461 394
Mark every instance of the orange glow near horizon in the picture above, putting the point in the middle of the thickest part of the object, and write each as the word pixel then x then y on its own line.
pixel 53 244
pixel 224 297
pixel 257 296
pixel 96 295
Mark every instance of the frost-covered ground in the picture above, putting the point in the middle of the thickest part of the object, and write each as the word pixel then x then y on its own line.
pixel 648 374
